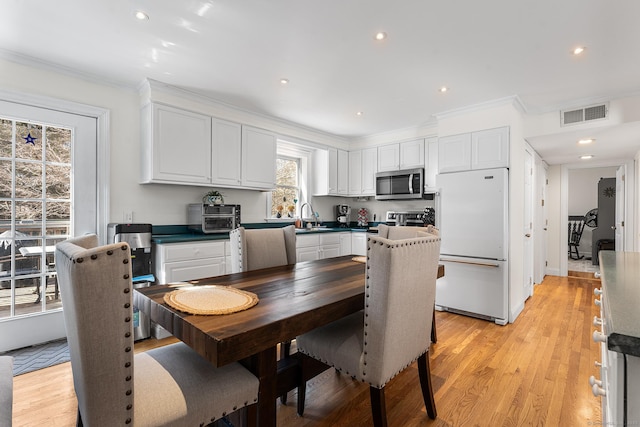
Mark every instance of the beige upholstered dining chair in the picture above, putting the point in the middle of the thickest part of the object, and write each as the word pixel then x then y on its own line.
pixel 254 249
pixel 262 248
pixel 166 386
pixel 6 391
pixel 407 232
pixel 376 344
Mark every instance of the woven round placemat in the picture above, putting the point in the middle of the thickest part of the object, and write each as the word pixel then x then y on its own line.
pixel 210 300
pixel 362 259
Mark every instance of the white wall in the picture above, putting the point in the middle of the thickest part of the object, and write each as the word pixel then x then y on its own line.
pixel 583 196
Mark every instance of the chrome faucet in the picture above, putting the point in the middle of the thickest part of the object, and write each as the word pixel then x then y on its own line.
pixel 313 213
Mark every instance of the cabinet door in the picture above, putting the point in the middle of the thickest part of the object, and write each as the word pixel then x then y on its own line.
pixel 194 269
pixel 430 162
pixel 490 148
pixel 369 169
pixel 359 243
pixel 343 172
pixel 454 153
pixel 345 244
pixel 332 171
pixel 412 154
pixel 226 152
pixel 258 158
pixel 179 144
pixel 330 251
pixel 310 253
pixel 325 172
pixel 389 157
pixel 355 172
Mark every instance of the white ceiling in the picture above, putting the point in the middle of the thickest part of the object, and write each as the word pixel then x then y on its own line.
pixel 237 51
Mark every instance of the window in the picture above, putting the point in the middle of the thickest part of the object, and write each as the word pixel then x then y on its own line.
pixel 285 198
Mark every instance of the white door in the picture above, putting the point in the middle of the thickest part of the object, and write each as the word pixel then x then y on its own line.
pixel 620 207
pixel 528 225
pixel 48 192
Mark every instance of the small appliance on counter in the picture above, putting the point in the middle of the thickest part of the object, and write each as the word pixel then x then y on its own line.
pixel 138 236
pixel 412 218
pixel 205 218
pixel 342 215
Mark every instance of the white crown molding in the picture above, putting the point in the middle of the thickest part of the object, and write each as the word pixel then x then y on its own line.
pixel 61 69
pixel 513 100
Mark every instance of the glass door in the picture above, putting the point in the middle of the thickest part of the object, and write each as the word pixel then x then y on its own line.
pixel 47 190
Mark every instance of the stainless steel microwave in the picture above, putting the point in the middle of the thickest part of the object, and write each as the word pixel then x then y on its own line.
pixel 401 184
pixel 205 218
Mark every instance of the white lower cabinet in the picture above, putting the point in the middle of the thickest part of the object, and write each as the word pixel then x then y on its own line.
pixel 314 246
pixel 345 243
pixel 175 262
pixel 359 243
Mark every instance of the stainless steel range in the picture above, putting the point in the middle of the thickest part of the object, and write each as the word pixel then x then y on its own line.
pixel 412 218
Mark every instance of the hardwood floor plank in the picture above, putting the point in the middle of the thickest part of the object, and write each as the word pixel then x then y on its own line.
pixel 532 372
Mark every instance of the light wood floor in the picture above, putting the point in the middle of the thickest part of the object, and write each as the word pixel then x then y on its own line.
pixel 532 372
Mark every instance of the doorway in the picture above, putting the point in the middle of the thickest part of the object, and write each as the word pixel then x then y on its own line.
pixel 49 192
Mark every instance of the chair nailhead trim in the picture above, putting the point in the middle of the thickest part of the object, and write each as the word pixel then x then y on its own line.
pixel 125 261
pixel 94 256
pixel 127 305
pixel 127 319
pixel 127 349
pixel 127 365
pixel 127 334
pixel 128 393
pixel 129 406
pixel 109 252
pixel 126 291
pixel 128 421
pixel 79 260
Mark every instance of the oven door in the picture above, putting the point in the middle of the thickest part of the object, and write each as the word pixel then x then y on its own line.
pixel 218 223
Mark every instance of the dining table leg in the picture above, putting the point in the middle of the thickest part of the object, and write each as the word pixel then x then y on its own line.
pixel 264 366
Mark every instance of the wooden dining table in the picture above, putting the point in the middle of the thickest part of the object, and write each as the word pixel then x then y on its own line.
pixel 293 299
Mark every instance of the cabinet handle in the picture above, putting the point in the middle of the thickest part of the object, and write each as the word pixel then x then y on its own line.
pixel 597 321
pixel 597 291
pixel 596 274
pixel 593 381
pixel 598 302
pixel 597 364
pixel 597 391
pixel 599 336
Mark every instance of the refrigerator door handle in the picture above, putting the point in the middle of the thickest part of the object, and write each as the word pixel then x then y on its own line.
pixel 483 264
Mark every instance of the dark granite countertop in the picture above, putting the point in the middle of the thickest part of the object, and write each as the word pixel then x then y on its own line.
pixel 180 234
pixel 621 300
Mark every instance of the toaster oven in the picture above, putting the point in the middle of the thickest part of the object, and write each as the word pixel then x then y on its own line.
pixel 207 219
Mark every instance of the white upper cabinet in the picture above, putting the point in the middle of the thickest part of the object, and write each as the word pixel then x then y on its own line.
pixel 454 153
pixel 405 155
pixel 369 169
pixel 343 173
pixel 176 146
pixel 430 161
pixel 389 157
pixel 477 150
pixel 258 158
pixel 412 154
pixel 362 172
pixel 330 172
pixel 355 172
pixel 226 153
pixel 490 148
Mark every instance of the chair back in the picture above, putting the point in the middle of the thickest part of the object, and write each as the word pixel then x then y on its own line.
pixel 576 227
pixel 96 290
pixel 399 301
pixel 262 248
pixel 404 232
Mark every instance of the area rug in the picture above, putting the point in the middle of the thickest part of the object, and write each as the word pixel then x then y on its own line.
pixel 41 356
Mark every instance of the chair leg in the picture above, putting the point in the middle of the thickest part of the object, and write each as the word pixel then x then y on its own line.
pixel 378 407
pixel 434 336
pixel 302 394
pixel 79 420
pixel 426 385
pixel 252 415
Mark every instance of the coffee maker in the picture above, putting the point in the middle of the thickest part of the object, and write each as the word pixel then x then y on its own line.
pixel 342 215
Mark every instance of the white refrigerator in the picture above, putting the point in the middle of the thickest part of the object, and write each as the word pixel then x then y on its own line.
pixel 473 218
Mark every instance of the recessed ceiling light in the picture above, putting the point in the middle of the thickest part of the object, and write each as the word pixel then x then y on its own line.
pixel 586 141
pixel 381 35
pixel 443 89
pixel 141 15
pixel 578 50
pixel 587 157
pixel 284 81
pixel 359 113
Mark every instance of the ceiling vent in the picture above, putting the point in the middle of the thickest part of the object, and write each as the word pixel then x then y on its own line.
pixel 586 114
